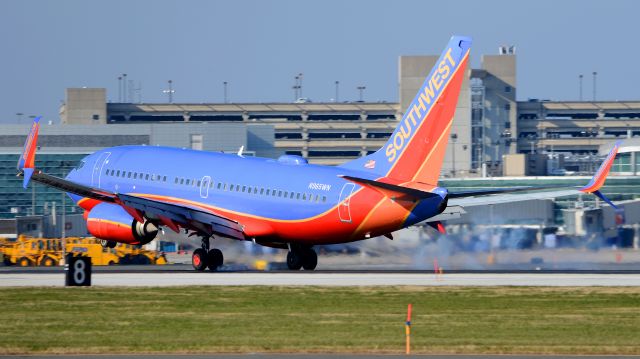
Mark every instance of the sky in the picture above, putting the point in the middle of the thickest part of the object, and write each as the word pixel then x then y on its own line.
pixel 259 46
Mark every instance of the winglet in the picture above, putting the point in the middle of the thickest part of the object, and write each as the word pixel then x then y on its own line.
pixel 26 163
pixel 601 175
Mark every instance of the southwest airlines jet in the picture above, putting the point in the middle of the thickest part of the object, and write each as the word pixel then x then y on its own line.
pixel 128 193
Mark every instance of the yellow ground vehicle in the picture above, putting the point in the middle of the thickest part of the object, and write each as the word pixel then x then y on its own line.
pixel 48 252
pixel 130 254
pixel 32 251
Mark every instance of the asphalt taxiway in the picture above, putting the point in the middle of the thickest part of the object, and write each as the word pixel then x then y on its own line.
pixel 320 278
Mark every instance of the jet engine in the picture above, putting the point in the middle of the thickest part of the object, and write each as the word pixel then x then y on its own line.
pixel 111 222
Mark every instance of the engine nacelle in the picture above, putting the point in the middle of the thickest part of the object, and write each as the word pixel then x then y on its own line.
pixel 113 223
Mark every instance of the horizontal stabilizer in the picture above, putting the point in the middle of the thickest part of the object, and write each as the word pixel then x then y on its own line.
pixel 392 191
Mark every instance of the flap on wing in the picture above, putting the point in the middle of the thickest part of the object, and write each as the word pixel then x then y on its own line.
pixel 392 191
pixel 185 215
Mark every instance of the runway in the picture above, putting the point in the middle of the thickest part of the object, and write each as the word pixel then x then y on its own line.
pixel 333 279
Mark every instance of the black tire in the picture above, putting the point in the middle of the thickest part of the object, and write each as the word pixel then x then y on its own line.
pixel 104 243
pixel 112 244
pixel 24 262
pixel 47 262
pixel 199 259
pixel 112 263
pixel 215 258
pixel 142 259
pixel 294 260
pixel 309 259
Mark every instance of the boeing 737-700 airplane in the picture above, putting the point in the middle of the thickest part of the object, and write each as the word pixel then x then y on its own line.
pixel 129 192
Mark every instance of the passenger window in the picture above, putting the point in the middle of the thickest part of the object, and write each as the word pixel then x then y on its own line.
pixel 324 199
pixel 118 173
pixel 261 191
pixel 298 195
pixel 237 188
pixel 224 186
pixel 244 188
pixel 211 184
pixel 193 183
pixel 128 174
pixel 317 198
pixel 304 196
pixel 231 187
pixel 181 180
pixel 219 185
pixel 146 176
pixel 255 190
pixel 199 183
pixel 176 181
pixel 279 193
pixel 291 195
pixel 164 179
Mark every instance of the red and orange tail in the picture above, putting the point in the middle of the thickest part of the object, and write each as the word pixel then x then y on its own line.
pixel 415 151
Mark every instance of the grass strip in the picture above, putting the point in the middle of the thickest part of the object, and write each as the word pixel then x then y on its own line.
pixel 509 320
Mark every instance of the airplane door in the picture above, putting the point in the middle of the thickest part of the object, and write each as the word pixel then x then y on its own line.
pixel 345 200
pixel 204 186
pixel 97 168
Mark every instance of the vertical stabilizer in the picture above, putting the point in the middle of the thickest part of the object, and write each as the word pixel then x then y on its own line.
pixel 415 151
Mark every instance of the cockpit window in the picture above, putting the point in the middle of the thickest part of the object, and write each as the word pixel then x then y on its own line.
pixel 79 165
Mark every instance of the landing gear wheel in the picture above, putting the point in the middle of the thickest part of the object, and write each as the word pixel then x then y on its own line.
pixel 199 259
pixel 309 259
pixel 215 259
pixel 294 260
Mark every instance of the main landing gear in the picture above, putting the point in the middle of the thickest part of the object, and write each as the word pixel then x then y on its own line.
pixel 204 257
pixel 302 257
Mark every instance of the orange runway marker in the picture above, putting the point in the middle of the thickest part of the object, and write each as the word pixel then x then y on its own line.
pixel 407 329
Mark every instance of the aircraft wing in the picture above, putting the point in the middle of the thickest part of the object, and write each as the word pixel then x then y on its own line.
pixel 505 195
pixel 172 215
pixel 509 197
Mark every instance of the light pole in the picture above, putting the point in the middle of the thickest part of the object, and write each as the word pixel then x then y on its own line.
pixel 337 90
pixel 361 89
pixel 454 137
pixel 119 88
pixel 226 94
pixel 300 83
pixel 580 80
pixel 594 85
pixel 170 91
pixel 296 87
pixel 19 114
pixel 124 87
